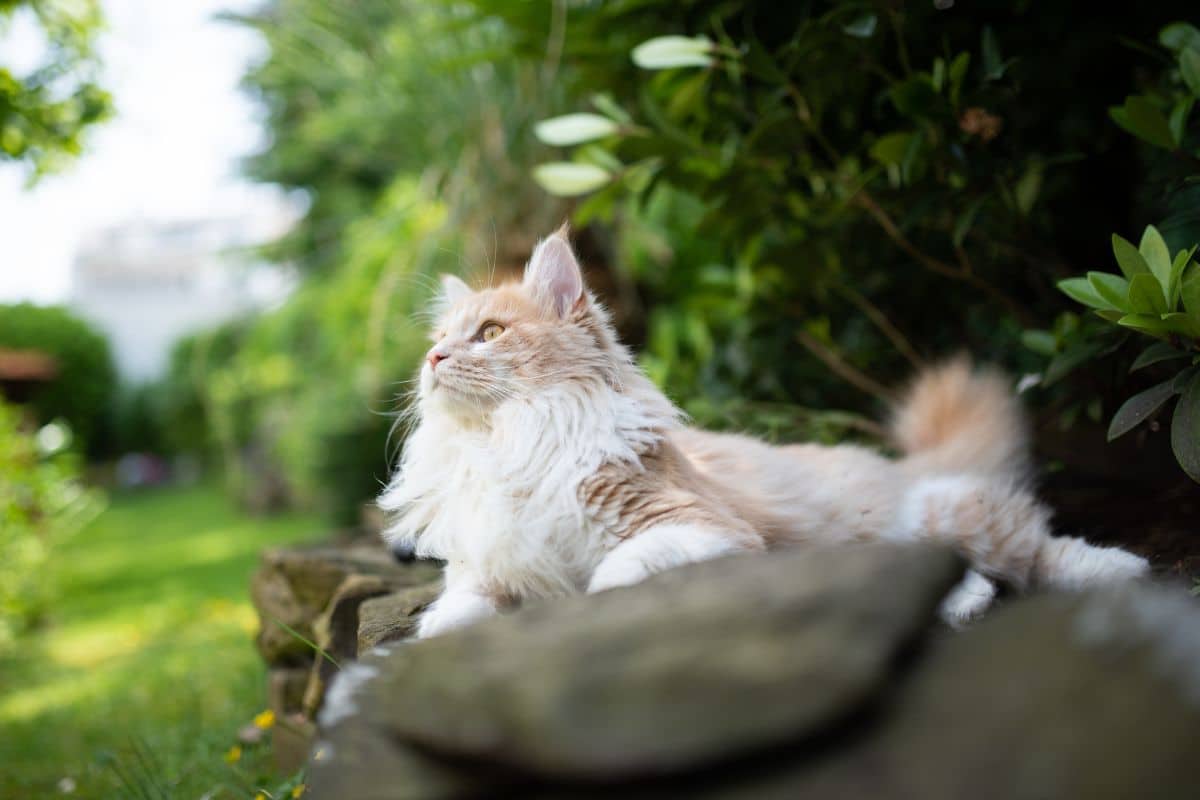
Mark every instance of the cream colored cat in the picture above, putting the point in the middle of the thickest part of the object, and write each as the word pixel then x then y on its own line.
pixel 545 463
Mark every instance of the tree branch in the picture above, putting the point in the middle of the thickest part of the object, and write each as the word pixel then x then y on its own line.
pixel 844 369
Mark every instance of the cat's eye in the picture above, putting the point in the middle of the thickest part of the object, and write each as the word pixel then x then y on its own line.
pixel 490 331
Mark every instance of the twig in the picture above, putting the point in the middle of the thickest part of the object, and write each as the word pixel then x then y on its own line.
pixel 963 272
pixel 873 313
pixel 844 369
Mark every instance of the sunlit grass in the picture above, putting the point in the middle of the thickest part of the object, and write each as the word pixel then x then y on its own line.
pixel 147 668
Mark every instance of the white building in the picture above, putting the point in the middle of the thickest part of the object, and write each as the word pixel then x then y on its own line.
pixel 146 284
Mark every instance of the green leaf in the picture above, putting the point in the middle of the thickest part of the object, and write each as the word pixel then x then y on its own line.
pixel 604 103
pixel 1157 256
pixel 1138 408
pixel 1027 190
pixel 862 27
pixel 1081 291
pixel 938 77
pixel 890 149
pixel 572 129
pixel 1156 353
pixel 1041 342
pixel 1112 288
pixel 1185 429
pixel 1182 324
pixel 1177 267
pixel 1141 118
pixel 568 179
pixel 963 226
pixel 1189 68
pixel 1179 35
pixel 1128 257
pixel 1150 324
pixel 1146 296
pixel 916 97
pixel 595 154
pixel 1179 117
pixel 958 71
pixel 993 65
pixel 667 52
pixel 1189 290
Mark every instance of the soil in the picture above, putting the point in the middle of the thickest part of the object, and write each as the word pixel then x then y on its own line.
pixel 1159 521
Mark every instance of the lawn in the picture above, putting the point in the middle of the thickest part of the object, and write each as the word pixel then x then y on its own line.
pixel 138 685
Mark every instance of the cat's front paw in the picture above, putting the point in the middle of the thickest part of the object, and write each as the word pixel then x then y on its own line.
pixel 452 611
pixel 616 572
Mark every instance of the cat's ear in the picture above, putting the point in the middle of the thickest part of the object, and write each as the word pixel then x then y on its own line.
pixel 553 276
pixel 453 290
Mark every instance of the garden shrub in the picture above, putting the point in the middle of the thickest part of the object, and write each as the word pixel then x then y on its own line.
pixel 42 503
pixel 805 201
pixel 85 387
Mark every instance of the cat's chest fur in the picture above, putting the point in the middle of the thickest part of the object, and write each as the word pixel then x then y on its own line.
pixel 502 500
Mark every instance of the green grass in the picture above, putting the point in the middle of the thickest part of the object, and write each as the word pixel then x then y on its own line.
pixel 147 669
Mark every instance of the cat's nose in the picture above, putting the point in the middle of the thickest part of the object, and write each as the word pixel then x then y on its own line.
pixel 435 357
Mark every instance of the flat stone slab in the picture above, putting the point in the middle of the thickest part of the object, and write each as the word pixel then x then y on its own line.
pixel 294 586
pixel 393 617
pixel 690 668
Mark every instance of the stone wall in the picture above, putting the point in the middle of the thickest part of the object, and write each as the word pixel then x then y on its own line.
pixel 344 598
pixel 804 674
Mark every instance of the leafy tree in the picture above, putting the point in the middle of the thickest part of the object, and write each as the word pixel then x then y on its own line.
pixel 44 113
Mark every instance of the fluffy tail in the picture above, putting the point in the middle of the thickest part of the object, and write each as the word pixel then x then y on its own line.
pixel 954 418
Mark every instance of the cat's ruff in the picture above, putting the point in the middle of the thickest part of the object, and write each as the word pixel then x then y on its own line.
pixel 545 463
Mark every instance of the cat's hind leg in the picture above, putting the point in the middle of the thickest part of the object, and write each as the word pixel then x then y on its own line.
pixel 662 547
pixel 1004 532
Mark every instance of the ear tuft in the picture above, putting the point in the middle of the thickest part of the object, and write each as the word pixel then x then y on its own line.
pixel 453 289
pixel 553 275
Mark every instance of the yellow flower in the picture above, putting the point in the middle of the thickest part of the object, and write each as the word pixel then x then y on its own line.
pixel 234 754
pixel 260 796
pixel 264 720
pixel 299 790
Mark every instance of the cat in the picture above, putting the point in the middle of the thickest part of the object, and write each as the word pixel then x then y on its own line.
pixel 546 463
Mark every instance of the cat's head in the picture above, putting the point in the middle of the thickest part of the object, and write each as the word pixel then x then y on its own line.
pixel 520 338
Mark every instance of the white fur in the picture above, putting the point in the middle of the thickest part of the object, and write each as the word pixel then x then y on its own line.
pixel 1075 564
pixel 501 499
pixel 460 604
pixel 656 549
pixel 973 595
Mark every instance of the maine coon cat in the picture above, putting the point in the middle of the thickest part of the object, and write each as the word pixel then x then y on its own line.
pixel 545 463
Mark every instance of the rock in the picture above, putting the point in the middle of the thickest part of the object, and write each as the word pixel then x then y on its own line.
pixel 336 632
pixel 291 742
pixel 294 585
pixel 372 520
pixel 1094 696
pixel 394 616
pixel 285 689
pixel 691 668
pixel 780 676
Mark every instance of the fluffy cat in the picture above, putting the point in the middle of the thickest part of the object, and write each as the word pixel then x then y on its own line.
pixel 546 463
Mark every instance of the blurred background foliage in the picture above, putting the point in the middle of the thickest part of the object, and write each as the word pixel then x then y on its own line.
pixel 828 196
pixel 45 112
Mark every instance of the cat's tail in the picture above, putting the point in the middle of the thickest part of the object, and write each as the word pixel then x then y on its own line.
pixel 955 418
